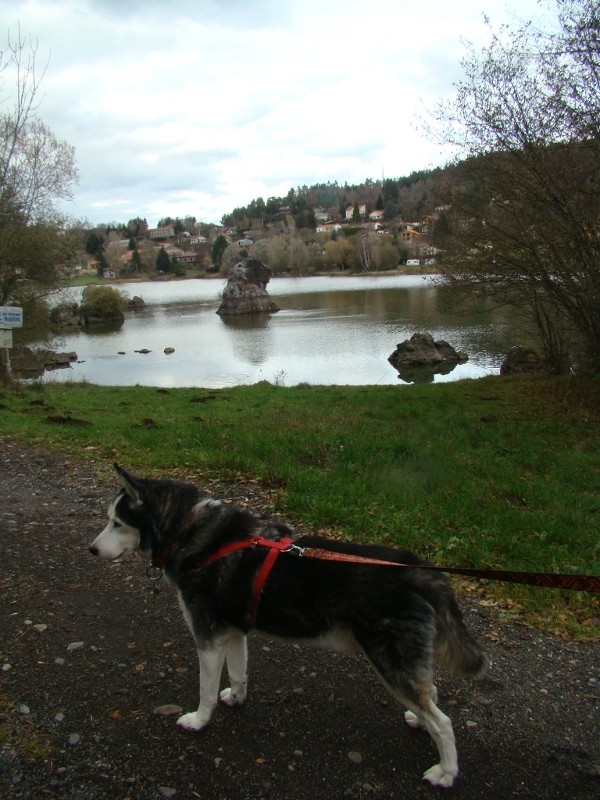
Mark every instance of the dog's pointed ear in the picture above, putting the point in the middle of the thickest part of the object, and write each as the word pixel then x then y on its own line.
pixel 133 486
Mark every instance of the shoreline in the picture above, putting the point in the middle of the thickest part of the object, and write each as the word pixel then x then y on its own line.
pixel 147 277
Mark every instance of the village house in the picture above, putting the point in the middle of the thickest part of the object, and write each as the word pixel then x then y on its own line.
pixel 362 210
pixel 185 258
pixel 165 232
pixel 321 215
pixel 329 228
pixel 410 235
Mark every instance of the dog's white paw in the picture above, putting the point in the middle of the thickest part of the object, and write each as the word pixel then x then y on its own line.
pixel 194 721
pixel 438 776
pixel 231 698
pixel 413 721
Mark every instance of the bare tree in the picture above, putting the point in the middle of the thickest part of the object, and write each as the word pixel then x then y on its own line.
pixel 36 170
pixel 522 224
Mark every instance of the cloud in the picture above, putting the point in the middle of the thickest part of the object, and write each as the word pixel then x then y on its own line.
pixel 211 103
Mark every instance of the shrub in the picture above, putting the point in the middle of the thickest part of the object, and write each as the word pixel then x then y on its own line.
pixel 102 302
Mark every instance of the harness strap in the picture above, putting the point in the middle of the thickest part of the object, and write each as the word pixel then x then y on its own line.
pixel 261 577
pixel 274 549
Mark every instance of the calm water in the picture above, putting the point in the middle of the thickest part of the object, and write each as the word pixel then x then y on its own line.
pixel 330 330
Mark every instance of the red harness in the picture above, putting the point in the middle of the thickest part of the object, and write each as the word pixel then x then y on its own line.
pixel 274 547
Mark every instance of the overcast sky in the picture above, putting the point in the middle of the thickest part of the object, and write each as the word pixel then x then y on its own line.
pixel 195 107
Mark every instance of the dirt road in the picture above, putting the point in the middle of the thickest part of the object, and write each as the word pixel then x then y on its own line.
pixel 91 661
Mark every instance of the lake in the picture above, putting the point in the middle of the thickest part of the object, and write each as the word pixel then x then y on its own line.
pixel 330 330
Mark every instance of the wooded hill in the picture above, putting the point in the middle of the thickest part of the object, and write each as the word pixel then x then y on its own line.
pixel 409 198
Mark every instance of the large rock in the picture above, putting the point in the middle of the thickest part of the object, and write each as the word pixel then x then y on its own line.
pixel 422 351
pixel 28 363
pixel 136 303
pixel 523 361
pixel 245 292
pixel 67 315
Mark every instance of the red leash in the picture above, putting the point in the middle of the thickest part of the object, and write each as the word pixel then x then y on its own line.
pixel 549 580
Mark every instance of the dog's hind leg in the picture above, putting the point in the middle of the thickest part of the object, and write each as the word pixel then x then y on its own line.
pixel 439 727
pixel 236 651
pixel 423 713
pixel 402 656
pixel 412 720
pixel 211 665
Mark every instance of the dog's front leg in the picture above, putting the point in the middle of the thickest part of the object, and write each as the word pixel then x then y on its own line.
pixel 211 664
pixel 237 660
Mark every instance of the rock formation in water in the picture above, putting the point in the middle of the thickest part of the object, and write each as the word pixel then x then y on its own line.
pixel 135 303
pixel 421 351
pixel 67 315
pixel 29 363
pixel 245 292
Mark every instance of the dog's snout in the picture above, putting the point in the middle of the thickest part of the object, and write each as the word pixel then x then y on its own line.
pixel 93 549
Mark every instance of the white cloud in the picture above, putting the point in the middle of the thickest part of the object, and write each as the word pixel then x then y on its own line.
pixel 198 106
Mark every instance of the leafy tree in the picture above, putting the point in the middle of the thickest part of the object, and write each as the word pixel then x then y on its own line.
pixel 356 212
pixel 342 254
pixel 145 251
pixel 230 257
pixel 36 170
pixel 524 203
pixel 278 251
pixel 260 250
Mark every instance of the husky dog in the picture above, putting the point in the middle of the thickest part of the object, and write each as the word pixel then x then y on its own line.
pixel 400 618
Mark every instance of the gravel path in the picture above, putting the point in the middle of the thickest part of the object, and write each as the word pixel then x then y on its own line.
pixel 94 665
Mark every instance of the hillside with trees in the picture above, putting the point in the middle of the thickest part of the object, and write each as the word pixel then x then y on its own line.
pixel 409 198
pixel 372 226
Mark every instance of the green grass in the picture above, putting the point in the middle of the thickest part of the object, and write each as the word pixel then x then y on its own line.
pixel 21 736
pixel 497 472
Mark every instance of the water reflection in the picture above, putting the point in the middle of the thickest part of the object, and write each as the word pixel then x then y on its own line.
pixel 424 374
pixel 255 342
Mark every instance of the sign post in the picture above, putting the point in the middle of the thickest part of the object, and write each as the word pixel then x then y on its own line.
pixel 10 317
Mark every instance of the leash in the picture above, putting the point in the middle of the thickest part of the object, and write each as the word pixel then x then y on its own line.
pixel 585 583
pixel 580 583
pixel 548 580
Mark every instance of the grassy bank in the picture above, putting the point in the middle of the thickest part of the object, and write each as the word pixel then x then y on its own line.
pixel 488 473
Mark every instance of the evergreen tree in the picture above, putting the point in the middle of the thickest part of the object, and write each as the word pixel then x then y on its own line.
pixel 219 246
pixel 163 262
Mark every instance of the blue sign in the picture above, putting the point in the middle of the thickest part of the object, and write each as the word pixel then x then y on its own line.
pixel 11 317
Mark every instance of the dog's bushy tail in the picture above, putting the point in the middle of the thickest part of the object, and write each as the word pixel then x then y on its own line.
pixel 455 648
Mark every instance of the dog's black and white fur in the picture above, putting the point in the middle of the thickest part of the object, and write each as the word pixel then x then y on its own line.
pixel 401 619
